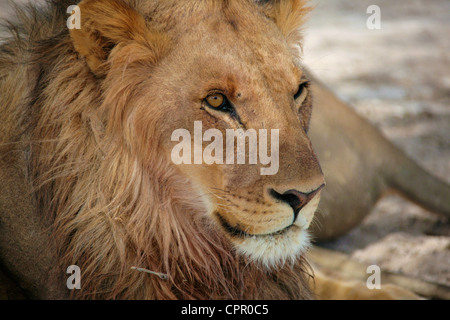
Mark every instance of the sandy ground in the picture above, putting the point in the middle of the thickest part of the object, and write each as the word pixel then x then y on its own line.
pixel 398 78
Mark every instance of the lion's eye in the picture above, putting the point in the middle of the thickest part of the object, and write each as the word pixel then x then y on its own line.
pixel 217 101
pixel 301 89
pixel 220 102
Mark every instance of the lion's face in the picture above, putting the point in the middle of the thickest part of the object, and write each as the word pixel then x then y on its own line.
pixel 226 76
pixel 222 67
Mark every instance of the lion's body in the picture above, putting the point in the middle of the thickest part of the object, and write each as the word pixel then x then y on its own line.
pixel 84 181
pixel 361 166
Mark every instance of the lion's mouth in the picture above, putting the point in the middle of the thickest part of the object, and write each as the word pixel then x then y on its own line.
pixel 269 250
pixel 237 232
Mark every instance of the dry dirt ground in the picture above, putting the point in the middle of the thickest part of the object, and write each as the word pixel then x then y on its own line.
pixel 397 77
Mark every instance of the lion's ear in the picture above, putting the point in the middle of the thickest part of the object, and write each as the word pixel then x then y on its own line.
pixel 104 24
pixel 289 15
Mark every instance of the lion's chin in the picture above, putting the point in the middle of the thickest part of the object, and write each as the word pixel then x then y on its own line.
pixel 275 250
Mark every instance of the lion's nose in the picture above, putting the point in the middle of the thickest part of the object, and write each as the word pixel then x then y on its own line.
pixel 296 199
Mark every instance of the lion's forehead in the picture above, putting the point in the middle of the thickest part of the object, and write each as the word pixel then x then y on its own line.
pixel 239 60
pixel 184 14
pixel 241 38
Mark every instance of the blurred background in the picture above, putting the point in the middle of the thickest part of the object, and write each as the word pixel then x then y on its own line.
pixel 398 78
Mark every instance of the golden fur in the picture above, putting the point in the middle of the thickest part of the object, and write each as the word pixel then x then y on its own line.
pixel 93 119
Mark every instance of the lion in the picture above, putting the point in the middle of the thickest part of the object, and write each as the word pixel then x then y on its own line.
pixel 87 118
pixel 98 136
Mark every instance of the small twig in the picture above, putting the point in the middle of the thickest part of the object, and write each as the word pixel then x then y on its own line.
pixel 160 275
